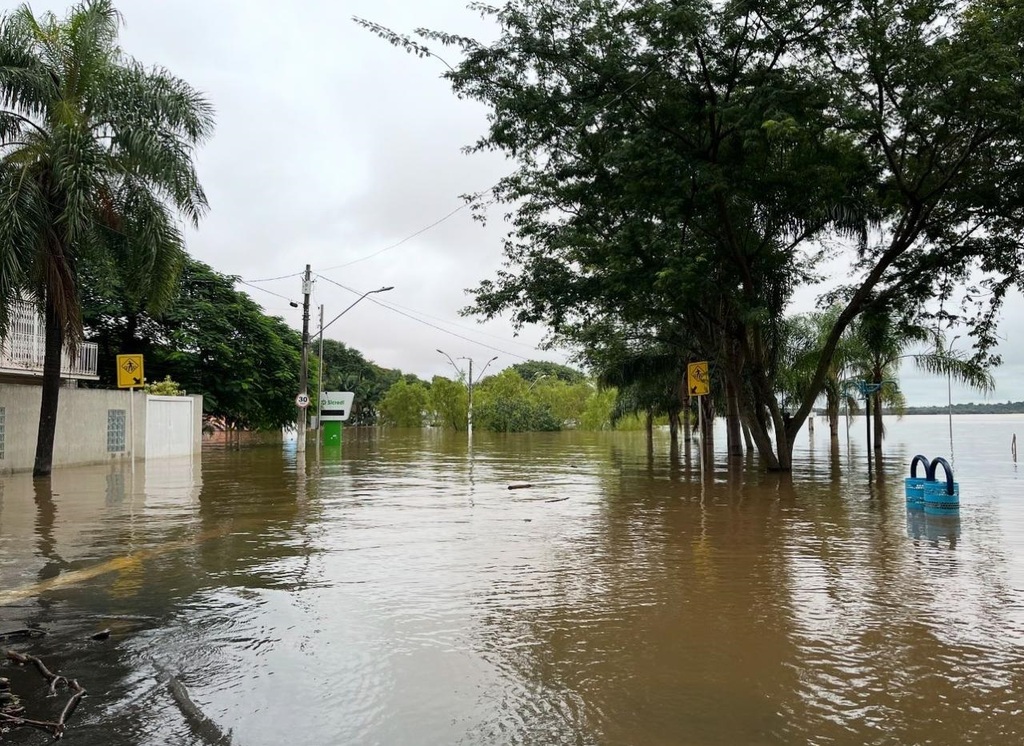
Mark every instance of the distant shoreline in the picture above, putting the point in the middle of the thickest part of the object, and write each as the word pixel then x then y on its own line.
pixel 1012 407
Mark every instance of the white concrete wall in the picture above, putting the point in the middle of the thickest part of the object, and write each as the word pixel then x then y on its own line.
pixel 81 425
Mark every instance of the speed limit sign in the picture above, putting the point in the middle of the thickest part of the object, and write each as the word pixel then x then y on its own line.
pixel 302 400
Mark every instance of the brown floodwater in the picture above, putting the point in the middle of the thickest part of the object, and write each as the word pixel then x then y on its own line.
pixel 397 592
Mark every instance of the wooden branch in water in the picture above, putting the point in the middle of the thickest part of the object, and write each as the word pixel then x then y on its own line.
pixel 17 721
pixel 56 729
pixel 527 485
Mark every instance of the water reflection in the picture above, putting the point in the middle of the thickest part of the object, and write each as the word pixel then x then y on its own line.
pixel 398 592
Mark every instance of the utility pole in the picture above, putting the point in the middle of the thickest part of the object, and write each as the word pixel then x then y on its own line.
pixel 320 374
pixel 304 369
pixel 469 414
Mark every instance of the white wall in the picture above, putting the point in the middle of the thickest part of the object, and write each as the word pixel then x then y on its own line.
pixel 81 425
pixel 170 426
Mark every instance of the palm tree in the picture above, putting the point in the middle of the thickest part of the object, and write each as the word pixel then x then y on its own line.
pixel 806 337
pixel 881 343
pixel 95 166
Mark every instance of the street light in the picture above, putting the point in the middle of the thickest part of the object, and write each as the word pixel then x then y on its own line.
pixel 536 380
pixel 949 399
pixel 368 292
pixel 321 335
pixel 469 383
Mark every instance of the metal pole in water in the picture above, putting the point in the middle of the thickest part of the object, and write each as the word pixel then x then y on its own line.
pixel 700 430
pixel 867 418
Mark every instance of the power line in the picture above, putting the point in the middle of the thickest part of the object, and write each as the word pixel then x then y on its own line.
pixel 271 279
pixel 268 292
pixel 427 323
pixel 451 333
pixel 407 238
pixel 437 318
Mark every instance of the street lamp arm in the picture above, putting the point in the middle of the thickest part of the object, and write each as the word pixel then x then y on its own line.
pixel 368 292
pixel 485 368
pixel 457 370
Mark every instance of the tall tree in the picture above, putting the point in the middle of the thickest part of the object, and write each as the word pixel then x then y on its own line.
pixel 694 161
pixel 95 164
pixel 449 403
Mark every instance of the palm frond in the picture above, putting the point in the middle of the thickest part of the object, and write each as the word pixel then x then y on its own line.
pixel 958 368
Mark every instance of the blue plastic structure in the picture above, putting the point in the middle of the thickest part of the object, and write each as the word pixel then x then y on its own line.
pixel 915 485
pixel 941 498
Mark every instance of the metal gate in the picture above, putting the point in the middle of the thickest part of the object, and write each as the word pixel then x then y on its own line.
pixel 169 422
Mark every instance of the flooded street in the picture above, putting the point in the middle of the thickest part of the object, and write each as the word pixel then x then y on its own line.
pixel 399 592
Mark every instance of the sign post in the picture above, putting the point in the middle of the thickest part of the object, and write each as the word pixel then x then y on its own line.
pixel 130 375
pixel 335 408
pixel 698 384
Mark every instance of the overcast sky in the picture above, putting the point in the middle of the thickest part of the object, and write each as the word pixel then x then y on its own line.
pixel 331 147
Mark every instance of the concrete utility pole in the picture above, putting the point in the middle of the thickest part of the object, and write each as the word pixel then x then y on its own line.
pixel 469 414
pixel 320 374
pixel 469 385
pixel 304 369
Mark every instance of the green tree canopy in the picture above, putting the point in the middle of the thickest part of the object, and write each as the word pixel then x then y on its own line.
pixel 404 404
pixel 449 403
pixel 534 370
pixel 212 339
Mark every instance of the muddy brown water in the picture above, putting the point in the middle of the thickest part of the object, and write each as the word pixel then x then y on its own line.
pixel 397 592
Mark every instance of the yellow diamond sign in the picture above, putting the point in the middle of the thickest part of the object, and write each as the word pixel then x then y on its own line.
pixel 129 371
pixel 697 381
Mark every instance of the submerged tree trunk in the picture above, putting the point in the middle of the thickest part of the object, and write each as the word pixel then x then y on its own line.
pixel 877 417
pixel 707 435
pixel 832 409
pixel 649 427
pixel 747 440
pixel 733 431
pixel 673 428
pixel 51 392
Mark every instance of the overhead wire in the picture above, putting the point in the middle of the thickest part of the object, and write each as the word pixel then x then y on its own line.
pixel 427 323
pixel 435 318
pixel 271 279
pixel 264 290
pixel 407 238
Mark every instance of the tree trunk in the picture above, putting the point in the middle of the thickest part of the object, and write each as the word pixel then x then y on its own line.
pixel 51 392
pixel 748 441
pixel 649 427
pixel 832 408
pixel 876 416
pixel 707 436
pixel 673 428
pixel 733 431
